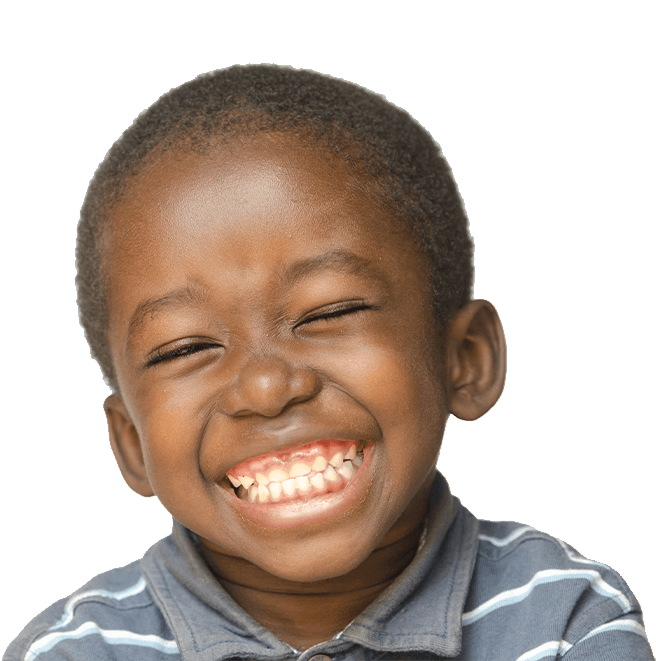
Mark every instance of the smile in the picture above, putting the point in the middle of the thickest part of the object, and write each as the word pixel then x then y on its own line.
pixel 300 473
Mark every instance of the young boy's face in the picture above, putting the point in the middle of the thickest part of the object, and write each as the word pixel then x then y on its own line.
pixel 261 299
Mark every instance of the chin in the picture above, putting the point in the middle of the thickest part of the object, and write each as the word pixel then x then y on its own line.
pixel 316 565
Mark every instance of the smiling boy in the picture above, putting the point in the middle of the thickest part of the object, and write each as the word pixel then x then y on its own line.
pixel 274 272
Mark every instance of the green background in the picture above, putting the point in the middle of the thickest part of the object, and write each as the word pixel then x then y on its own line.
pixel 541 110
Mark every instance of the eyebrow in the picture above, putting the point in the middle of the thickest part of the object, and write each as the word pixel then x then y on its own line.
pixel 335 260
pixel 177 298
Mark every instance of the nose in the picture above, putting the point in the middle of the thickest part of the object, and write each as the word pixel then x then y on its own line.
pixel 267 386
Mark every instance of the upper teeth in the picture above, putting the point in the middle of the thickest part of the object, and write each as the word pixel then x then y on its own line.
pixel 319 464
pixel 276 475
pixel 337 460
pixel 301 478
pixel 298 469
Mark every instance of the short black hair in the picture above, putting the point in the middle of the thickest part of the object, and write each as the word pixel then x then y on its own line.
pixel 401 157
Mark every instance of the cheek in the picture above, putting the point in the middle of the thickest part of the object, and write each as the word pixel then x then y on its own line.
pixel 170 412
pixel 170 453
pixel 401 388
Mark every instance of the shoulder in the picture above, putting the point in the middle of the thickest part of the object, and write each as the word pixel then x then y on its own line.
pixel 112 616
pixel 539 591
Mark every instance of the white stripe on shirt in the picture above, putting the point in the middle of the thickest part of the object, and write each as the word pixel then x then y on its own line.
pixel 618 625
pixel 69 608
pixel 545 650
pixel 574 557
pixel 522 530
pixel 504 541
pixel 562 646
pixel 112 637
pixel 510 597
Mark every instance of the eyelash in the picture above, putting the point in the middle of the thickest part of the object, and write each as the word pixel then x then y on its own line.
pixel 178 352
pixel 338 310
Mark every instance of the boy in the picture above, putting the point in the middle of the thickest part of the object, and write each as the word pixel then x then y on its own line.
pixel 274 273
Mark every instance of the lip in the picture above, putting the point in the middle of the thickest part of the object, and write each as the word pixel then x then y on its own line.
pixel 295 513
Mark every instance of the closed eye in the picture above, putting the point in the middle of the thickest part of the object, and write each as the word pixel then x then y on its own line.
pixel 163 354
pixel 334 311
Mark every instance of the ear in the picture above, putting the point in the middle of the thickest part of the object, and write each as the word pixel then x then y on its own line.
pixel 476 360
pixel 127 446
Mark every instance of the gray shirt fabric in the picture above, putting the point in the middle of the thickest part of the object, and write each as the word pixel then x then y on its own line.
pixel 476 590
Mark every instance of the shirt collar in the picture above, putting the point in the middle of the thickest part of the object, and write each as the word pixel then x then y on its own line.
pixel 420 611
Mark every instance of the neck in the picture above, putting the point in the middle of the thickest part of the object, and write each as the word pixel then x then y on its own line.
pixel 305 614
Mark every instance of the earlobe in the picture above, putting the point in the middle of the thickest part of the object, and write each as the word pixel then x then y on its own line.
pixel 476 360
pixel 126 446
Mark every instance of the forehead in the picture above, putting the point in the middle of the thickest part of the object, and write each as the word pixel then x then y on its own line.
pixel 252 205
pixel 272 177
pixel 263 169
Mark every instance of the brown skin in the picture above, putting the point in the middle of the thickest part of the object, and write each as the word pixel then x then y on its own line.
pixel 348 349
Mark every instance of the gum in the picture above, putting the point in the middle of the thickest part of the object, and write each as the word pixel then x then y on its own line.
pixel 284 460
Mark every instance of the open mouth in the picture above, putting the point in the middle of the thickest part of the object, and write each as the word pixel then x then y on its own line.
pixel 299 473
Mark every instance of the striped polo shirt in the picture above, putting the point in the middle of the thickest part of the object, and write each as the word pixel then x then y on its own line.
pixel 476 590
